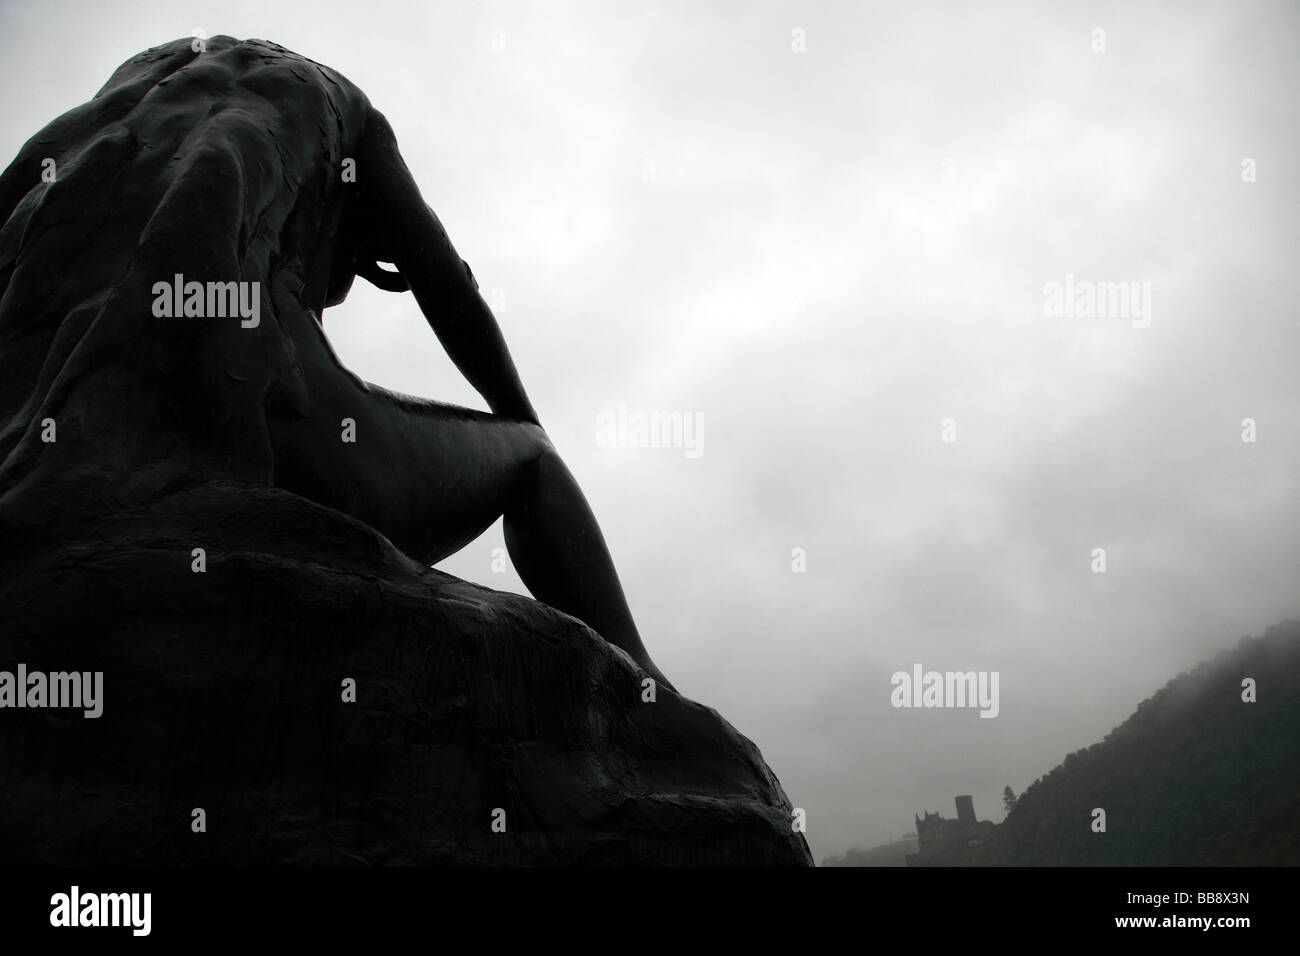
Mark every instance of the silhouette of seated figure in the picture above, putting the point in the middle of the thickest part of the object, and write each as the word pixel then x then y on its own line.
pixel 224 161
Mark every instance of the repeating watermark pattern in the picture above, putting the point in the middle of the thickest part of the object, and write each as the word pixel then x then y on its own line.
pixel 210 300
pixel 1086 299
pixel 958 689
pixel 74 690
pixel 75 909
pixel 621 428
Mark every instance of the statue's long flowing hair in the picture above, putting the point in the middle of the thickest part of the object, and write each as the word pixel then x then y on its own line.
pixel 217 160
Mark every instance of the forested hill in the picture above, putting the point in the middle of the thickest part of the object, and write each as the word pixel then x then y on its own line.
pixel 1195 777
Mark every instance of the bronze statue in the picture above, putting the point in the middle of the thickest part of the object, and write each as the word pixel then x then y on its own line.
pixel 242 166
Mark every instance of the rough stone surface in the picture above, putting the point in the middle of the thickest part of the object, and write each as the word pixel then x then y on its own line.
pixel 222 690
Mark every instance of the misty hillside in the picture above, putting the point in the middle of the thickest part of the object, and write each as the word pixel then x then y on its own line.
pixel 1195 777
pixel 893 853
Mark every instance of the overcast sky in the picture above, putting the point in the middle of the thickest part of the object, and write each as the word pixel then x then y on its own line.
pixel 819 246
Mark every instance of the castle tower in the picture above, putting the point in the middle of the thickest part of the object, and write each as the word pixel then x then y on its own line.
pixel 966 810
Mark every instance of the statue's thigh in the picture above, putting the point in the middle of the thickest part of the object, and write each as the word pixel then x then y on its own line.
pixel 429 476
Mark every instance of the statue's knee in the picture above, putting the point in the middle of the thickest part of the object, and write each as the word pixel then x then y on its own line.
pixel 540 448
pixel 537 461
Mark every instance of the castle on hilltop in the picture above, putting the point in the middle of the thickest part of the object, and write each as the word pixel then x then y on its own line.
pixel 941 841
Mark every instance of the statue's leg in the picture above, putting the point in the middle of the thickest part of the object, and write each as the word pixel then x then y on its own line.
pixel 558 550
pixel 432 477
